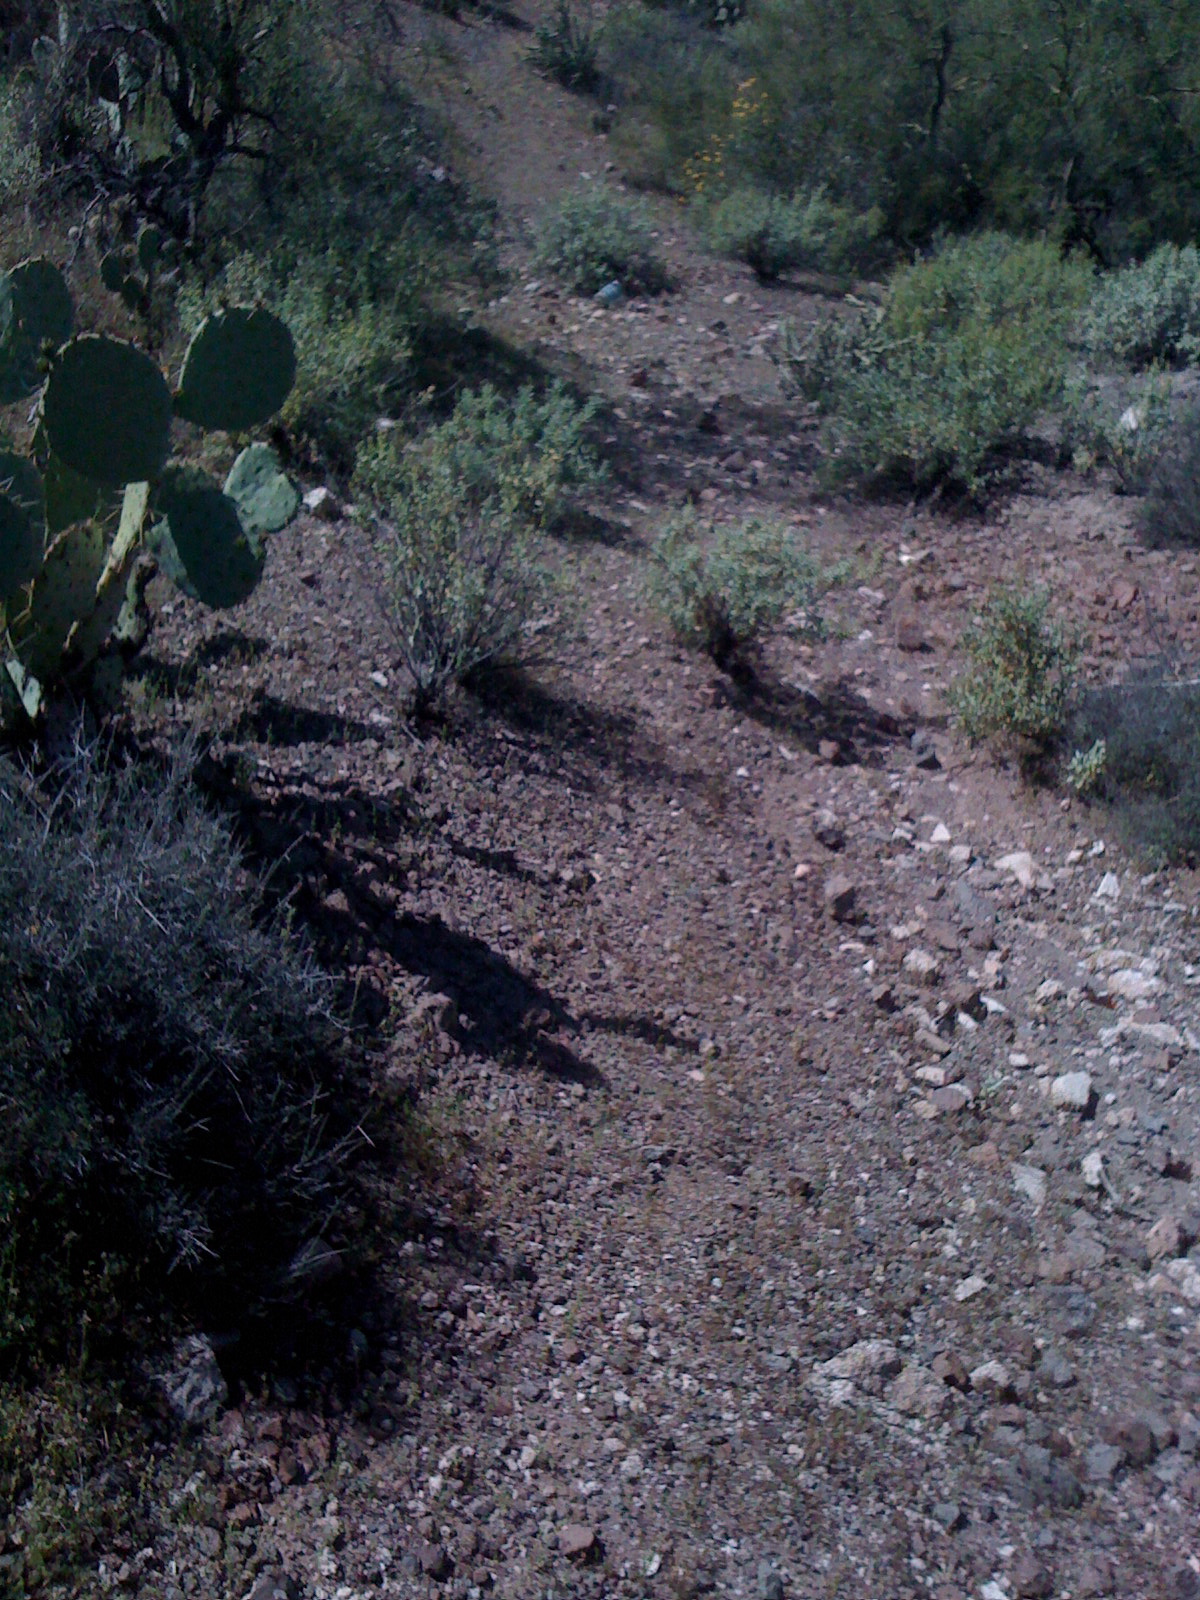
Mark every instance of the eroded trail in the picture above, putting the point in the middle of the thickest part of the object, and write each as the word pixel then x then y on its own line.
pixel 806 1102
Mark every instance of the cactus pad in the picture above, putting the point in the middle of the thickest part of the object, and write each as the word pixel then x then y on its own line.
pixel 149 246
pixel 70 498
pixel 200 540
pixel 107 411
pixel 22 523
pixel 35 310
pixel 64 592
pixel 115 267
pixel 239 369
pixel 266 498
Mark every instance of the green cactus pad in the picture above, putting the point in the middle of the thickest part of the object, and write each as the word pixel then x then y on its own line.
pixel 22 540
pixel 22 482
pixel 63 597
pixel 71 498
pixel 265 496
pixel 107 411
pixel 200 540
pixel 149 246
pixel 35 310
pixel 133 292
pixel 115 267
pixel 112 587
pixel 239 369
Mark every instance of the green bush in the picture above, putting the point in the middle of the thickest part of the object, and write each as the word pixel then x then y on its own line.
pixel 1021 668
pixel 1170 513
pixel 464 509
pixel 969 350
pixel 594 238
pixel 1126 427
pixel 175 1102
pixel 806 233
pixel 567 51
pixel 721 587
pixel 1149 727
pixel 1149 312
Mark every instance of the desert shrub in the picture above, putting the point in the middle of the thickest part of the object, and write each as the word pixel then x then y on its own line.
pixel 594 238
pixel 463 510
pixel 1126 426
pixel 1150 311
pixel 803 233
pixel 1149 727
pixel 173 1096
pixel 1170 512
pixel 721 587
pixel 709 13
pixel 967 352
pixel 566 50
pixel 1021 668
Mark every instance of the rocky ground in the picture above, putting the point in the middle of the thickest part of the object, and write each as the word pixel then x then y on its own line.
pixel 802 1191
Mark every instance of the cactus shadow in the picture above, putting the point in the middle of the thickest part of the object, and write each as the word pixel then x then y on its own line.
pixel 862 732
pixel 272 721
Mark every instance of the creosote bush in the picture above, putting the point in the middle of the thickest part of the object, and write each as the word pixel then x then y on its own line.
pixel 464 510
pixel 1021 668
pixel 721 587
pixel 1149 311
pixel 594 238
pixel 1149 729
pixel 174 1098
pixel 968 351
pixel 775 234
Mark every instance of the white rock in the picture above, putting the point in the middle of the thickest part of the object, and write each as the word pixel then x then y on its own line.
pixel 1050 990
pixel 940 834
pixel 1072 1091
pixel 917 1393
pixel 1020 864
pixel 923 966
pixel 1185 1275
pixel 991 1375
pixel 631 1467
pixel 970 1287
pixel 323 504
pixel 960 854
pixel 1092 1167
pixel 1130 984
pixel 1110 887
pixel 1030 1182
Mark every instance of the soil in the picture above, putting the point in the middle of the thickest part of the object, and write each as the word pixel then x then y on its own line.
pixel 756 1239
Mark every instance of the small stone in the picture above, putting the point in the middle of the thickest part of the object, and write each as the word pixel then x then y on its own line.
pixel 195 1387
pixel 1055 1370
pixel 1071 1313
pixel 932 1042
pixel 951 1100
pixel 1130 984
pixel 631 1467
pixel 1185 1276
pixel 829 751
pixel 1166 1239
pixel 924 751
pixel 870 1364
pixel 1183 1584
pixel 952 1370
pixel 827 830
pixel 1095 1578
pixel 433 1560
pixel 969 1288
pixel 840 898
pixel 1072 1091
pixel 770 1584
pixel 1031 1580
pixel 1035 1478
pixel 1134 1436
pixel 941 834
pixel 949 1514
pixel 923 966
pixel 1092 1168
pixel 917 1393
pixel 323 504
pixel 1110 887
pixel 1020 865
pixel 1102 1462
pixel 576 1541
pixel 994 1379
pixel 271 1586
pixel 1031 1183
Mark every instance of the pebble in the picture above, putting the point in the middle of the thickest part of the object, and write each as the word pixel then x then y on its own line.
pixel 1031 1183
pixel 870 1361
pixel 949 1514
pixel 1031 1580
pixel 969 1288
pixel 1072 1091
pixel 576 1540
pixel 1110 887
pixel 1019 864
pixel 770 1584
pixel 1055 1370
pixel 1092 1167
pixel 841 897
pixel 923 966
pixel 1102 1462
pixel 1166 1239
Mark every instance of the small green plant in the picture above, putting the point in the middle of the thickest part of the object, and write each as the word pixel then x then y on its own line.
pixel 1148 312
pixel 464 509
pixel 594 238
pixel 1126 428
pixel 968 351
pixel 803 233
pixel 1169 515
pixel 1086 768
pixel 1021 668
pixel 566 50
pixel 720 588
pixel 99 488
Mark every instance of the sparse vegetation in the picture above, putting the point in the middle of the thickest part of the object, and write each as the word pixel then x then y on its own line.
pixel 464 510
pixel 566 50
pixel 968 351
pixel 1148 312
pixel 800 233
pixel 594 238
pixel 1169 516
pixel 1021 670
pixel 1125 426
pixel 720 588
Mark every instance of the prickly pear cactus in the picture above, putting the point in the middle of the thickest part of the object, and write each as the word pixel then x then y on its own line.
pixel 100 494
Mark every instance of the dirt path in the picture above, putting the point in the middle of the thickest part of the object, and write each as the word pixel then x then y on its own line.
pixel 741 1024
